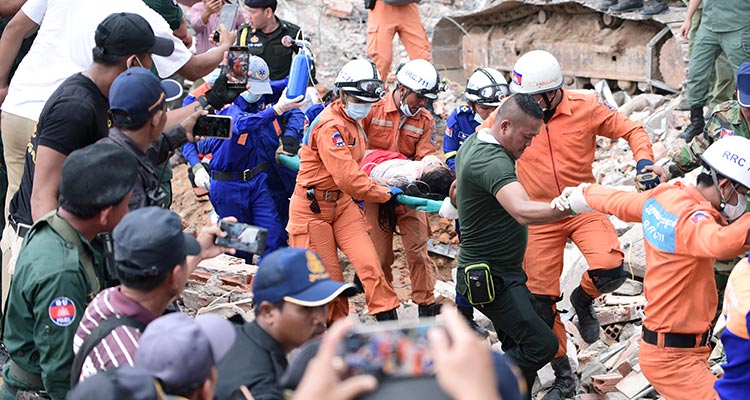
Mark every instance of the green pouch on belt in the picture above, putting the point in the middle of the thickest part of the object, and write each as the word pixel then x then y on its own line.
pixel 479 282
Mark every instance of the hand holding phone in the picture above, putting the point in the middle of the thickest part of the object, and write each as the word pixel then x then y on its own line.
pixel 243 237
pixel 226 18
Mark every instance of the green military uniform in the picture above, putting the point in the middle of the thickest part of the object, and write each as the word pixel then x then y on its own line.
pixel 489 234
pixel 169 10
pixel 58 273
pixel 726 119
pixel 724 27
pixel 722 80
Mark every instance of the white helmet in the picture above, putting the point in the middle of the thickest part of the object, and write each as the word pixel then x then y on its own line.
pixel 421 77
pixel 536 72
pixel 486 86
pixel 359 78
pixel 730 157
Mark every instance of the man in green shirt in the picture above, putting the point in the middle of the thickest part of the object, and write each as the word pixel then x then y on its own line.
pixel 724 27
pixel 60 269
pixel 494 209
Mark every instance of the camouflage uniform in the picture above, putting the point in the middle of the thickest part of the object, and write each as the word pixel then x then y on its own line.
pixel 726 120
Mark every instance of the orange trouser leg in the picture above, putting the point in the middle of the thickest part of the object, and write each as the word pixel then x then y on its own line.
pixel 596 237
pixel 412 34
pixel 543 261
pixel 314 231
pixel 414 232
pixel 350 230
pixel 562 338
pixel 381 239
pixel 380 32
pixel 678 374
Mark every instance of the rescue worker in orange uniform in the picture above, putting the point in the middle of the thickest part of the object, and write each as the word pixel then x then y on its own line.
pixel 400 123
pixel 322 213
pixel 384 21
pixel 560 156
pixel 685 230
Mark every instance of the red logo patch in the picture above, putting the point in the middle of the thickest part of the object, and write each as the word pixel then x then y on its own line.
pixel 62 311
pixel 699 216
pixel 725 132
pixel 517 78
pixel 338 140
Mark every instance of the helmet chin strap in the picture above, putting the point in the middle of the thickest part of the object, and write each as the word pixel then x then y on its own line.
pixel 722 200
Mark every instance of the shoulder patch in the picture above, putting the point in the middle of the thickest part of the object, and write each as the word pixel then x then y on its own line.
pixel 725 132
pixel 62 311
pixel 337 140
pixel 699 216
pixel 448 131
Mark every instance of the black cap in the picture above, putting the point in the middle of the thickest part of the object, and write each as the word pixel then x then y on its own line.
pixel 125 382
pixel 261 3
pixel 98 176
pixel 123 34
pixel 150 241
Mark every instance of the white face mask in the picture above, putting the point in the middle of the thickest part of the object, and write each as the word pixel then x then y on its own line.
pixel 406 111
pixel 250 97
pixel 357 111
pixel 732 212
pixel 478 118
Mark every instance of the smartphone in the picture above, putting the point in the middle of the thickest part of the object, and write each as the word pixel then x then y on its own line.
pixel 389 350
pixel 218 126
pixel 243 237
pixel 227 17
pixel 238 59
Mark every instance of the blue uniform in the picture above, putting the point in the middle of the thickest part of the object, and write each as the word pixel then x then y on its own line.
pixel 461 124
pixel 263 200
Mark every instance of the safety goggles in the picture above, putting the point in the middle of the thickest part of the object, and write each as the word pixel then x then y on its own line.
pixel 490 94
pixel 431 93
pixel 367 87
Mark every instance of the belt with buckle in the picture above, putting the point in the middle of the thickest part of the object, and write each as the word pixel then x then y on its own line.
pixel 19 228
pixel 241 176
pixel 680 340
pixel 322 195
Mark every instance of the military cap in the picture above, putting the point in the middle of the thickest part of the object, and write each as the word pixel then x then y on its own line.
pixel 98 176
pixel 261 3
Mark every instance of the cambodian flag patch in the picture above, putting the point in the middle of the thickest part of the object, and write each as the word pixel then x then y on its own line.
pixel 62 311
pixel 725 132
pixel 338 140
pixel 517 78
pixel 699 216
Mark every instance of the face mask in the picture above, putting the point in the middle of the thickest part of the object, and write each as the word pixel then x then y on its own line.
pixel 732 212
pixel 357 111
pixel 406 111
pixel 250 97
pixel 478 118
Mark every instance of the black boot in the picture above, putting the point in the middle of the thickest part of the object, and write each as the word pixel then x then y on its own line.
pixel 656 7
pixel 565 383
pixel 697 123
pixel 358 284
pixel 626 6
pixel 604 5
pixel 429 310
pixel 588 324
pixel 468 313
pixel 391 315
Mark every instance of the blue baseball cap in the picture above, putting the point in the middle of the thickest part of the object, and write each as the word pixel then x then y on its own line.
pixel 296 276
pixel 743 84
pixel 137 94
pixel 258 76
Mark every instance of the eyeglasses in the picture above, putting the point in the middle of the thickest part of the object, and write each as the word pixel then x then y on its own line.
pixel 367 87
pixel 314 206
pixel 490 94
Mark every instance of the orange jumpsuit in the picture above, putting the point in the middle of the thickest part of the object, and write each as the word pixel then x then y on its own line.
pixel 384 22
pixel 329 163
pixel 561 156
pixel 683 236
pixel 413 137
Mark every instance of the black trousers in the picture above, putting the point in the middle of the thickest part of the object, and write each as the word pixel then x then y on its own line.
pixel 525 337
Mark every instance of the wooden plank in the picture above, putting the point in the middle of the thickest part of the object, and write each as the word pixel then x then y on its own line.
pixel 633 384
